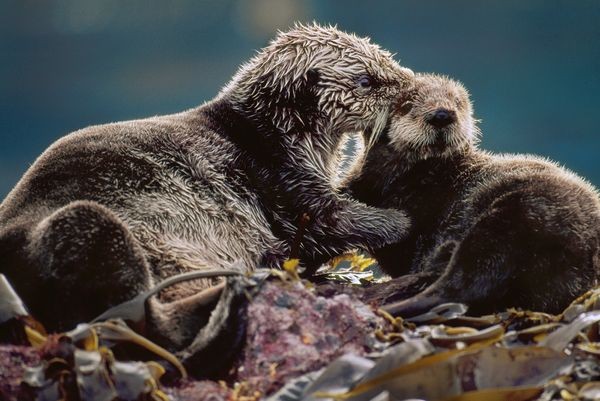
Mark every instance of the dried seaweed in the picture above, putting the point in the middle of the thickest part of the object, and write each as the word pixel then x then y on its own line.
pixel 524 356
pixel 16 325
pixel 75 366
pixel 352 268
pixel 309 346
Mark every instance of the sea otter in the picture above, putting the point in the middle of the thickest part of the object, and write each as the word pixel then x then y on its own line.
pixel 108 210
pixel 494 231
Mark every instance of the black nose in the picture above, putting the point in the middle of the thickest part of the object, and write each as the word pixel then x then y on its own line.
pixel 441 118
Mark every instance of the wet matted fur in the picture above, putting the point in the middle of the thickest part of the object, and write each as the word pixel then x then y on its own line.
pixel 109 209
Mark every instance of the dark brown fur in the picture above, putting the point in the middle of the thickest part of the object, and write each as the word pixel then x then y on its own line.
pixel 109 210
pixel 498 230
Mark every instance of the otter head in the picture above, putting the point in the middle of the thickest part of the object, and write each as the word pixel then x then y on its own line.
pixel 433 119
pixel 320 82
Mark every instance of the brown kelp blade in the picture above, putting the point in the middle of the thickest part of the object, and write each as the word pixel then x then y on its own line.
pixel 16 325
pixel 134 310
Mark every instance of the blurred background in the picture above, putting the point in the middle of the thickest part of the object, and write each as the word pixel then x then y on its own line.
pixel 533 67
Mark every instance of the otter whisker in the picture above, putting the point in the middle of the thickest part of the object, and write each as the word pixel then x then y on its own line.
pixel 378 127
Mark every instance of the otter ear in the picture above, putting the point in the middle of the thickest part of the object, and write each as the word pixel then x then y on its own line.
pixel 304 99
pixel 287 92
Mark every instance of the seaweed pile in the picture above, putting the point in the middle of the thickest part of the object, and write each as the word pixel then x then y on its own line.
pixel 306 341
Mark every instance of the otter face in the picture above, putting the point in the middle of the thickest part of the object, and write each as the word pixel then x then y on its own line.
pixel 357 84
pixel 321 80
pixel 433 119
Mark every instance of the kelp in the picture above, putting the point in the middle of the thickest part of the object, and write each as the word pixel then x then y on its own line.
pixel 352 268
pixel 134 310
pixel 520 355
pixel 80 364
pixel 443 355
pixel 17 326
pixel 77 366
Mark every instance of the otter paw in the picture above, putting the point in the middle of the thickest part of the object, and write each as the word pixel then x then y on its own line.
pixel 388 227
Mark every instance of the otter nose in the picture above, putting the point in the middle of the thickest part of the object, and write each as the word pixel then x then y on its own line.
pixel 441 118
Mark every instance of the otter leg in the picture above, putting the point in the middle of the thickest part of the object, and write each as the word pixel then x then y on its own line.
pixel 476 274
pixel 87 260
pixel 518 253
pixel 359 224
pixel 345 224
pixel 338 223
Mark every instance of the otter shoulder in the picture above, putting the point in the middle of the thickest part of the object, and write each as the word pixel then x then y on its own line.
pixel 528 164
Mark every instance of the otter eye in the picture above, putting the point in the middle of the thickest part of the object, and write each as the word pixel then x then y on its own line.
pixel 405 107
pixel 365 82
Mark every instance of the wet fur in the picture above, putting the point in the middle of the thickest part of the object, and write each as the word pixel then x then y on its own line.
pixel 498 231
pixel 108 210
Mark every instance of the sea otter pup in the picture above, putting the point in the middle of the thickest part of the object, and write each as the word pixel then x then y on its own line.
pixel 498 230
pixel 107 210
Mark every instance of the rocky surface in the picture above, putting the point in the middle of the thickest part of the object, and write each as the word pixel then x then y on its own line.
pixel 13 360
pixel 291 331
pixel 299 339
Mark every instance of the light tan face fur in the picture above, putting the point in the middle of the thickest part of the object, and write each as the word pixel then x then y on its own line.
pixel 434 119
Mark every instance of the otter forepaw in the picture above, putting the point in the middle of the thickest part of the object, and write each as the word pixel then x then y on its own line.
pixel 372 228
pixel 384 227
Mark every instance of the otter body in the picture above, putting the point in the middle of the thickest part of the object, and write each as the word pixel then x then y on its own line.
pixel 496 230
pixel 129 203
pixel 108 210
